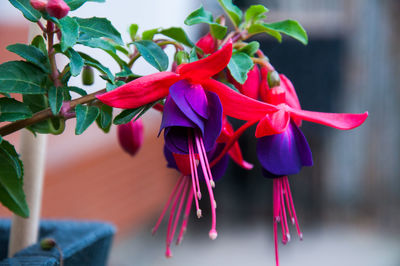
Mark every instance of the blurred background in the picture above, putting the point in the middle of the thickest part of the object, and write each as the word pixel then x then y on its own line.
pixel 348 203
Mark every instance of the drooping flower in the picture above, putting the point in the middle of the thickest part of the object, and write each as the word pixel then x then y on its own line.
pixel 192 174
pixel 285 154
pixel 130 136
pixel 39 4
pixel 57 8
pixel 192 117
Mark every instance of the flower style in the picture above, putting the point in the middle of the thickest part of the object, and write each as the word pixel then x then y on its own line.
pixel 190 171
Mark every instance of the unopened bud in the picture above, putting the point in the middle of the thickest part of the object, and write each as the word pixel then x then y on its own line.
pixel 87 75
pixel 39 4
pixel 47 243
pixel 57 8
pixel 273 79
pixel 181 57
pixel 130 136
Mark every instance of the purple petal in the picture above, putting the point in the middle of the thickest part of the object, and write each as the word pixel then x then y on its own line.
pixel 285 153
pixel 197 99
pixel 177 92
pixel 176 139
pixel 213 125
pixel 173 116
pixel 170 158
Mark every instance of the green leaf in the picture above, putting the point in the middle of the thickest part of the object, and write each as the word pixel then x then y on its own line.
pixel 149 34
pixel 97 43
pixel 193 55
pixel 260 28
pixel 11 182
pixel 126 115
pixel 202 16
pixel 75 4
pixel 76 62
pixel 36 103
pixel 77 90
pixel 56 99
pixel 105 118
pixel 291 28
pixel 234 12
pixel 153 54
pixel 31 54
pixel 133 28
pixel 85 116
pixel 199 16
pixel 39 42
pixel 255 13
pixel 98 27
pixel 21 77
pixel 178 34
pixel 13 110
pixel 69 32
pixel 96 64
pixel 218 31
pixel 239 66
pixel 250 49
pixel 27 10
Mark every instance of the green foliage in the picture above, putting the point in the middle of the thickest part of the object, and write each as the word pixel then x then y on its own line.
pixel 85 116
pixel 76 62
pixel 239 65
pixel 234 12
pixel 177 34
pixel 255 13
pixel 133 29
pixel 77 90
pixel 261 28
pixel 13 110
pixel 153 54
pixel 11 180
pixel 128 114
pixel 97 43
pixel 75 4
pixel 250 49
pixel 104 120
pixel 56 98
pixel 97 28
pixel 202 16
pixel 90 61
pixel 31 54
pixel 27 10
pixel 36 103
pixel 21 77
pixel 149 34
pixel 39 42
pixel 69 32
pixel 291 28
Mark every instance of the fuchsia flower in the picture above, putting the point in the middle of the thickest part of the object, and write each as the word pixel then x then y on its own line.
pixel 39 4
pixel 130 136
pixel 57 8
pixel 251 86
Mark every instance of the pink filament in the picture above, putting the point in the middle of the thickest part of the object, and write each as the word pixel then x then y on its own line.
pixel 204 163
pixel 166 206
pixel 185 216
pixel 281 193
pixel 203 150
pixel 171 216
pixel 178 213
pixel 193 170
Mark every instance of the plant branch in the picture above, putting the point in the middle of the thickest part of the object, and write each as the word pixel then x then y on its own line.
pixel 46 114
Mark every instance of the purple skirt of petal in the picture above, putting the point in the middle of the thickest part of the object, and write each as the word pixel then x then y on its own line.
pixel 284 154
pixel 189 106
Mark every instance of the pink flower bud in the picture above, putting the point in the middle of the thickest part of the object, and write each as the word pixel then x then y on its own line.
pixel 39 4
pixel 57 8
pixel 130 136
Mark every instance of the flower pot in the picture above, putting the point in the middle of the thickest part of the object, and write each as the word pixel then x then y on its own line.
pixel 81 243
